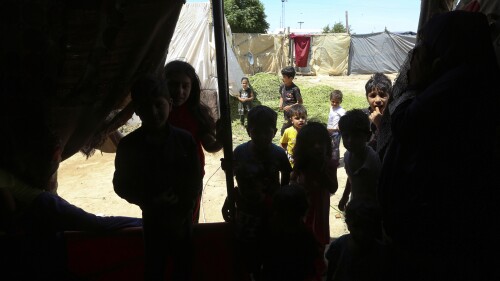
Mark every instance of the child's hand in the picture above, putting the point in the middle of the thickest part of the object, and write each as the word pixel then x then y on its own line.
pixel 223 164
pixel 376 117
pixel 226 211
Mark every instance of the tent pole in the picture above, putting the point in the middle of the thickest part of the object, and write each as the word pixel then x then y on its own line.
pixel 222 81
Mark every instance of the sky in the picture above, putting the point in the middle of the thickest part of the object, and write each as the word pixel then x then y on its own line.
pixel 365 16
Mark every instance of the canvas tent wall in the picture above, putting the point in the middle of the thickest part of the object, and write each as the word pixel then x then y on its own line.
pixel 329 54
pixel 261 52
pixel 193 42
pixel 379 52
pixel 270 53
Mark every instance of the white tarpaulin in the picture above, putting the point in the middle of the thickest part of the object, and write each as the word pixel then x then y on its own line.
pixel 260 52
pixel 193 41
pixel 330 54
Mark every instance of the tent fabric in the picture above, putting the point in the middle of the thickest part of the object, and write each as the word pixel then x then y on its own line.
pixel 268 52
pixel 120 255
pixel 430 8
pixel 193 41
pixel 330 53
pixel 379 52
pixel 491 8
pixel 67 65
pixel 117 255
pixel 301 45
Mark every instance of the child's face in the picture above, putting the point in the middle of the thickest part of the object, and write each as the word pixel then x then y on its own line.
pixel 377 98
pixel 179 86
pixel 244 84
pixel 318 149
pixel 154 112
pixel 287 80
pixel 262 137
pixel 354 142
pixel 298 121
pixel 335 102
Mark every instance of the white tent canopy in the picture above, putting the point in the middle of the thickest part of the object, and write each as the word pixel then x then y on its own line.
pixel 193 41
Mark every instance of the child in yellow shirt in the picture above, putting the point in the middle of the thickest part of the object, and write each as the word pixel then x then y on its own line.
pixel 298 118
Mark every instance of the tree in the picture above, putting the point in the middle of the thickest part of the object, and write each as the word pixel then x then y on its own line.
pixel 338 27
pixel 246 16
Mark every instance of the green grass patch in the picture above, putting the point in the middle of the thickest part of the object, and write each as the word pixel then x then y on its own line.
pixel 316 100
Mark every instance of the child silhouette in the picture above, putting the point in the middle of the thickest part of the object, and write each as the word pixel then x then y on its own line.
pixel 157 168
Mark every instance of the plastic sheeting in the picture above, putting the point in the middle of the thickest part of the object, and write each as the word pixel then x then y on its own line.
pixel 379 52
pixel 260 52
pixel 330 54
pixel 194 42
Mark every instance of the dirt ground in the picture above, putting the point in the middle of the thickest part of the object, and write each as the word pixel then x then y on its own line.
pixel 87 183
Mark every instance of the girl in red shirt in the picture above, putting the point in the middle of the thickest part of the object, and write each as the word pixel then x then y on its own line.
pixel 190 114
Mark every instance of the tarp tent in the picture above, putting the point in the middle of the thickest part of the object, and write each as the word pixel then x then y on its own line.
pixel 193 41
pixel 270 53
pixel 379 52
pixel 330 53
pixel 261 52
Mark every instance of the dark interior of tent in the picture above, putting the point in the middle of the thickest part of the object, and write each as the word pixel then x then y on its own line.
pixel 67 68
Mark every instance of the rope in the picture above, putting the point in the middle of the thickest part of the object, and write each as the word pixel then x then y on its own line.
pixel 336 209
pixel 202 210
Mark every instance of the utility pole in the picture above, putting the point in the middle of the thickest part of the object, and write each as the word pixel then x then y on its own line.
pixel 347 22
pixel 300 24
pixel 283 13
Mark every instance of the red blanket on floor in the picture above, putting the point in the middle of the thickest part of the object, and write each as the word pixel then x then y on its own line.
pixel 120 255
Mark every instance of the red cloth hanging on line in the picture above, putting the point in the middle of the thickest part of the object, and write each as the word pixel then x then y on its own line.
pixel 302 44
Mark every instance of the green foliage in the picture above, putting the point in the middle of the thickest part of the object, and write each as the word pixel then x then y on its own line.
pixel 266 87
pixel 338 27
pixel 246 16
pixel 316 100
pixel 240 134
pixel 326 29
